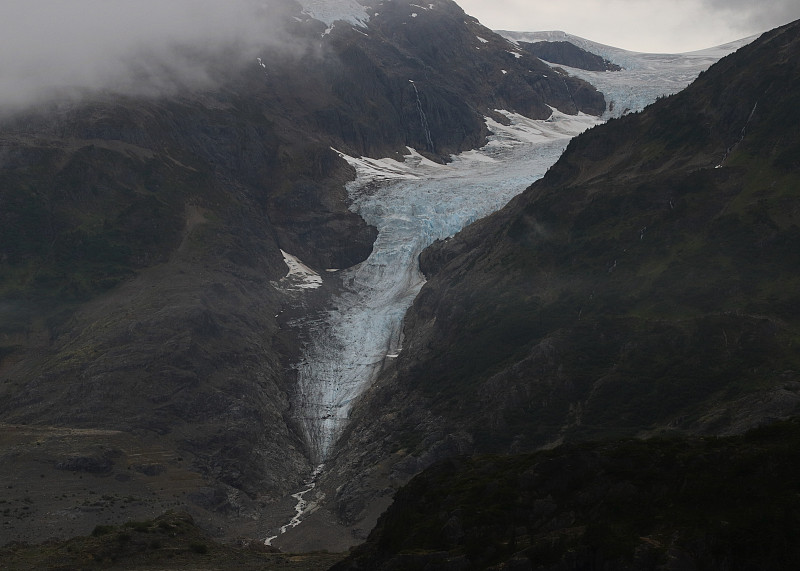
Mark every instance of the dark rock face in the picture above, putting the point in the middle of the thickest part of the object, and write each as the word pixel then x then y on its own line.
pixel 168 222
pixel 566 53
pixel 637 289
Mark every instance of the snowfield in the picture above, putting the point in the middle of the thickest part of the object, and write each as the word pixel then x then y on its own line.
pixel 300 276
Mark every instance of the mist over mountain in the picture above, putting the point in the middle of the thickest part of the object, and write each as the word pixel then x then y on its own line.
pixel 52 50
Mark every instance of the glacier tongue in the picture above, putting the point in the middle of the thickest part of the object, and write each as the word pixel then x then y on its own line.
pixel 412 203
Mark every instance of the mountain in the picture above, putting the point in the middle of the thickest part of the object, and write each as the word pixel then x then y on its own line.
pixel 169 264
pixel 146 338
pixel 645 286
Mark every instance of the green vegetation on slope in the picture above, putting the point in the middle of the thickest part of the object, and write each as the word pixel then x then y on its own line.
pixel 715 503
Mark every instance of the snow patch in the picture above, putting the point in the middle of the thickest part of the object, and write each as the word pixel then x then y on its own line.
pixel 377 170
pixel 330 11
pixel 482 40
pixel 522 130
pixel 300 276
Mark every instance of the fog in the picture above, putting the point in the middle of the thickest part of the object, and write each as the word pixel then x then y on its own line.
pixel 51 49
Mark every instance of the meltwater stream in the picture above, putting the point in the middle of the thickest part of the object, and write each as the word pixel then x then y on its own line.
pixel 412 204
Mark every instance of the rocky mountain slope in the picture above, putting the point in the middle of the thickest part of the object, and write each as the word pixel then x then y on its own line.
pixel 567 53
pixel 144 347
pixel 647 285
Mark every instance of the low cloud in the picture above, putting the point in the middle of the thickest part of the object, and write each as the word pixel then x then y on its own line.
pixel 55 48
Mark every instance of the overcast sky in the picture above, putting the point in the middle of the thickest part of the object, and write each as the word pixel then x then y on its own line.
pixel 670 26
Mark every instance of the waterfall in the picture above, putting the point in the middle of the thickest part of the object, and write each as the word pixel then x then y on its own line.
pixel 741 137
pixel 423 119
pixel 571 98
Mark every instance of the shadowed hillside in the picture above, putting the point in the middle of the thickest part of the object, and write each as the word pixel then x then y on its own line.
pixel 728 503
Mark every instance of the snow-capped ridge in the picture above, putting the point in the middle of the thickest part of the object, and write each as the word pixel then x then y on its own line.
pixel 605 50
pixel 644 76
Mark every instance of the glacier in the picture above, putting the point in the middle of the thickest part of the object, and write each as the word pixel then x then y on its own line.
pixel 412 203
